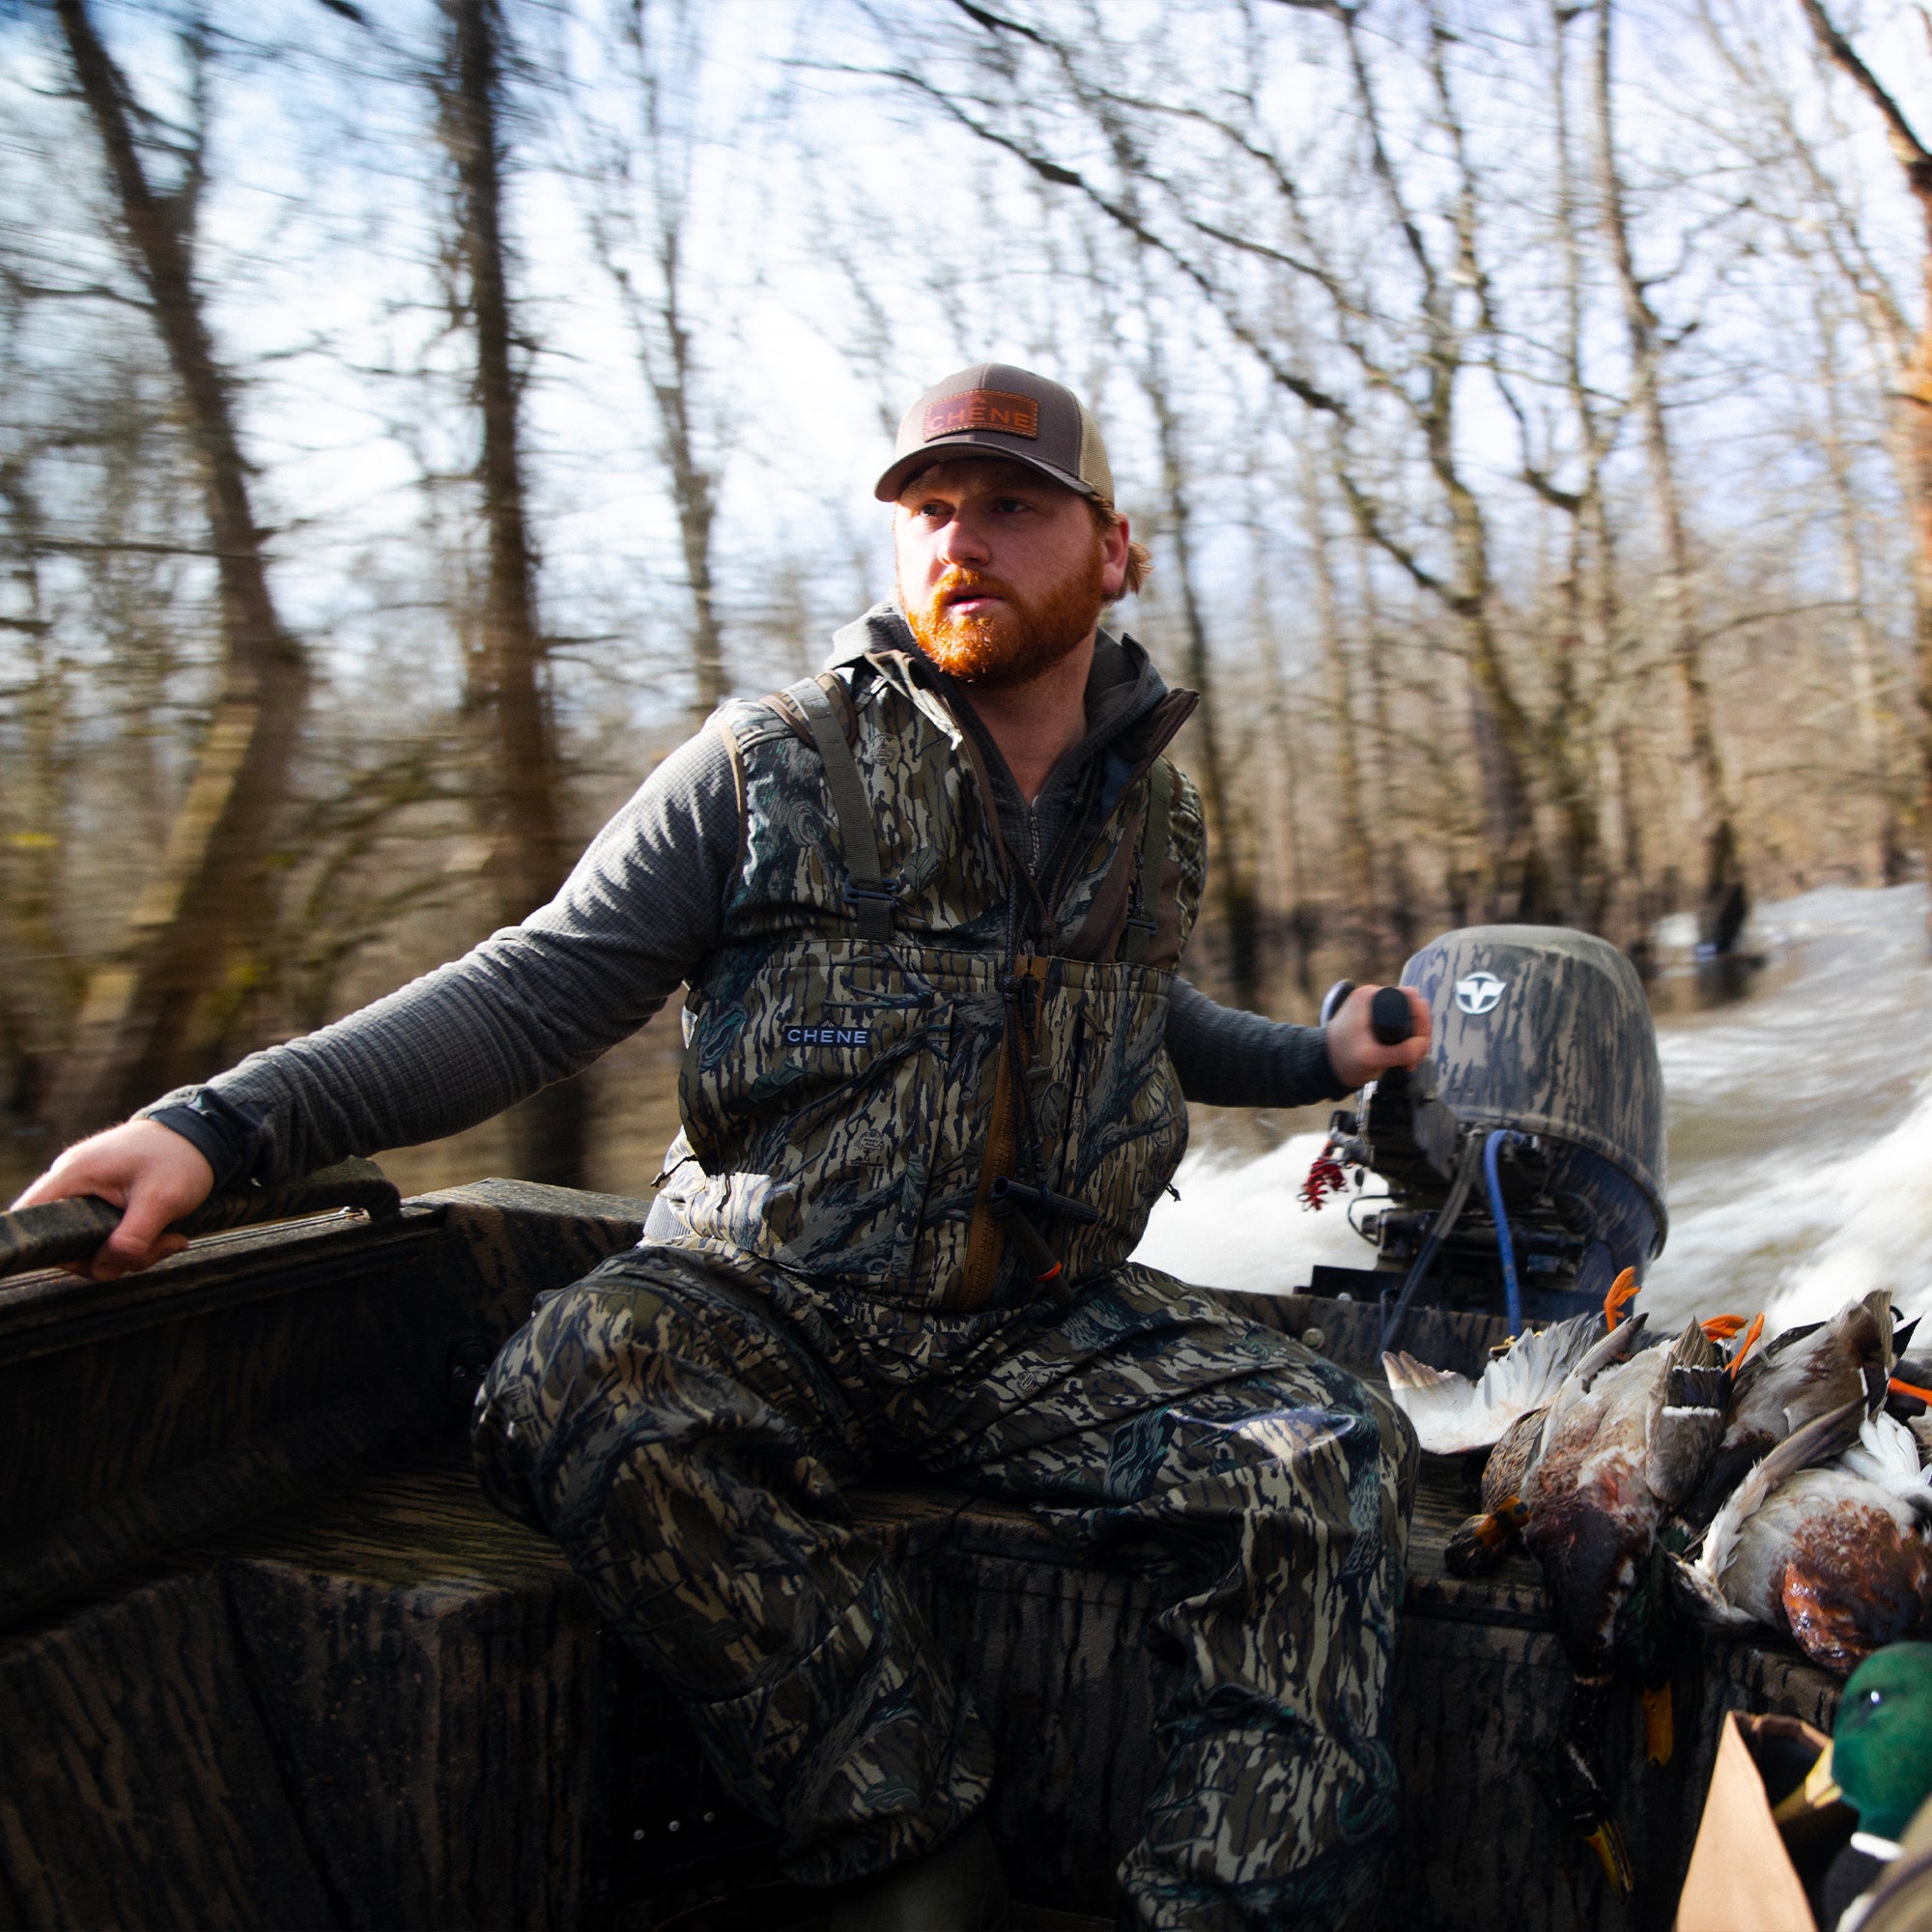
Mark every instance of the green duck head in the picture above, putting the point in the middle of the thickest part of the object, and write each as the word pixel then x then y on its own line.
pixel 1882 1743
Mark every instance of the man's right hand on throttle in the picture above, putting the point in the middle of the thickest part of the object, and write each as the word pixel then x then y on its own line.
pixel 147 1170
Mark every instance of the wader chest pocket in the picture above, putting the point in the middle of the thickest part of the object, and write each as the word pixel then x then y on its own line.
pixel 815 1119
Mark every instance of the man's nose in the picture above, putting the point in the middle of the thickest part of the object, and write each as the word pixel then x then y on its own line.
pixel 963 540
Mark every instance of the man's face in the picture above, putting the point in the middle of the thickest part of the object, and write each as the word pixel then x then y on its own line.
pixel 1002 571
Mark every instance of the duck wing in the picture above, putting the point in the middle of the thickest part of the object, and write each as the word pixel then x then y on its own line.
pixel 1686 1418
pixel 1887 1454
pixel 1804 1375
pixel 1452 1414
pixel 1707 1587
pixel 1507 1471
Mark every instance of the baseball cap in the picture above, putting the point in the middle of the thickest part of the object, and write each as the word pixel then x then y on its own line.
pixel 995 410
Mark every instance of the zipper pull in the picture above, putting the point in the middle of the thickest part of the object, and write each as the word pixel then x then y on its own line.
pixel 1023 990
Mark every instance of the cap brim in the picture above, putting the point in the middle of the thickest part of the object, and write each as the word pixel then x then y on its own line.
pixel 948 449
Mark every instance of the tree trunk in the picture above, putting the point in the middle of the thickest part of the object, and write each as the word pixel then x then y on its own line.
pixel 1519 886
pixel 35 1000
pixel 691 485
pixel 1391 787
pixel 1345 808
pixel 1709 804
pixel 1915 387
pixel 1230 877
pixel 520 796
pixel 1864 649
pixel 1281 867
pixel 167 1006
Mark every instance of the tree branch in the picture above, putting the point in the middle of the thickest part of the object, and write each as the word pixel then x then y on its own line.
pixel 1911 151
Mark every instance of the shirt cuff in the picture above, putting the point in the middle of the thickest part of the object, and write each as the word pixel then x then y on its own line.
pixel 1321 1069
pixel 222 1133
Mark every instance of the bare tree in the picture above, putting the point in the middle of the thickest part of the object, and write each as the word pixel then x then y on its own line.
pixel 1915 387
pixel 164 1008
pixel 520 793
pixel 1359 875
pixel 641 217
pixel 1231 875
pixel 1711 811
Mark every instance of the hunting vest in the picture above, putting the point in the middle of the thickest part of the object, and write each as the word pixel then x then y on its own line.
pixel 883 1078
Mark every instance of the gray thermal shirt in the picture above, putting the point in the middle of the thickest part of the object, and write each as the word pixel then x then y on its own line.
pixel 640 914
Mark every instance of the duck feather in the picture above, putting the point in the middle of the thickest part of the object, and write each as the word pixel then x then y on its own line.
pixel 1452 1414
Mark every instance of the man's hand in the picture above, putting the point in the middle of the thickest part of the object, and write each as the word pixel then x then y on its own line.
pixel 150 1171
pixel 1355 1053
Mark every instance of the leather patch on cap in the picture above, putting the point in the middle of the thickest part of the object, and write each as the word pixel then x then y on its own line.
pixel 982 409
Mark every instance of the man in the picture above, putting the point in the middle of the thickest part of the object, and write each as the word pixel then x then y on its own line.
pixel 929 907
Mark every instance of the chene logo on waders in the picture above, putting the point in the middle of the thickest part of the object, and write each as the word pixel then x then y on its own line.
pixel 828 1036
pixel 1480 992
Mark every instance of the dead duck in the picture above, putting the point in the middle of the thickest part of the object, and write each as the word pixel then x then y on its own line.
pixel 1452 1414
pixel 1804 1373
pixel 1833 1553
pixel 1879 1762
pixel 1620 1450
pixel 1623 1445
pixel 1503 1414
pixel 1622 1441
pixel 1592 1437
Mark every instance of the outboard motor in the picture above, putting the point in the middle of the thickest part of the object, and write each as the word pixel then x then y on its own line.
pixel 1525 1158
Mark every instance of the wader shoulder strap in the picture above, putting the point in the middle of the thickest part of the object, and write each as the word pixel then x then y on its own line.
pixel 867 893
pixel 1144 907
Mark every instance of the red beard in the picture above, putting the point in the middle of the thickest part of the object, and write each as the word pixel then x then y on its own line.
pixel 1015 642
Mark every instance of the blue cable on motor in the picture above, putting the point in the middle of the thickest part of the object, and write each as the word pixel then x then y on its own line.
pixel 1505 1245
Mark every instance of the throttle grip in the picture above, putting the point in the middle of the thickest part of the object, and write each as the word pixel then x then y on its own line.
pixel 1391 1019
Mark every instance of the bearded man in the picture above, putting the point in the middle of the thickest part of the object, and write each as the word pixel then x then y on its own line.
pixel 928 906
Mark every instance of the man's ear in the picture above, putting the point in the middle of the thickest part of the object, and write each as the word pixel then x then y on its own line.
pixel 1114 543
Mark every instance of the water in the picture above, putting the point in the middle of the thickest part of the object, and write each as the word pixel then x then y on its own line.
pixel 1801 1139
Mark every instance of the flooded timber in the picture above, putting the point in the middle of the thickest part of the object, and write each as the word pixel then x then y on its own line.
pixel 1801 1138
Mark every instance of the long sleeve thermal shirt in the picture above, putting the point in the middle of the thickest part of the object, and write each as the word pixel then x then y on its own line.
pixel 640 916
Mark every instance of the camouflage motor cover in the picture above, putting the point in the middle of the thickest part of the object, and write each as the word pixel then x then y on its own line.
pixel 839 1095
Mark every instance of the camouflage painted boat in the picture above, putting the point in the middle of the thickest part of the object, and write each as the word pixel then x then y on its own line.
pixel 266 1657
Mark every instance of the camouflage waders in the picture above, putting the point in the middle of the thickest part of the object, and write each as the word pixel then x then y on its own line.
pixel 846 1302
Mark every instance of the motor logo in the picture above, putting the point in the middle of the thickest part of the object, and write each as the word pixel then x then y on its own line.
pixel 1479 993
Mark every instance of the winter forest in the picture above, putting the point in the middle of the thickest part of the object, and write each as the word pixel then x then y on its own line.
pixel 414 418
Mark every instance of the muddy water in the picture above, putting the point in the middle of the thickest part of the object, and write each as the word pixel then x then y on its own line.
pixel 1801 1138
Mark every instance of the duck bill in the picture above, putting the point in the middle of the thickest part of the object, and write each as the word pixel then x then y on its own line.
pixel 1819 1789
pixel 1607 1843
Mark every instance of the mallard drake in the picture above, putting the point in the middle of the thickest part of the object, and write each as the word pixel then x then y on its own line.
pixel 1804 1373
pixel 1833 1552
pixel 1620 1449
pixel 1882 1741
pixel 1880 1763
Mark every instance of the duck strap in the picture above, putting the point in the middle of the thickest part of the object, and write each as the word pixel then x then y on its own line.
pixel 1144 907
pixel 868 891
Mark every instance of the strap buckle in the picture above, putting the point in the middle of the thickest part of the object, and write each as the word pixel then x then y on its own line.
pixel 885 892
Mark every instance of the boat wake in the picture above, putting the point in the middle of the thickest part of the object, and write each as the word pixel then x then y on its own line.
pixel 1801 1139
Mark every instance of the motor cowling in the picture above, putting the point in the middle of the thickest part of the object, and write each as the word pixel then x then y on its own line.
pixel 1542 1034
pixel 1546 1031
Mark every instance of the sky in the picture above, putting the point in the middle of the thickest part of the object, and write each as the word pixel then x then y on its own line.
pixel 321 228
